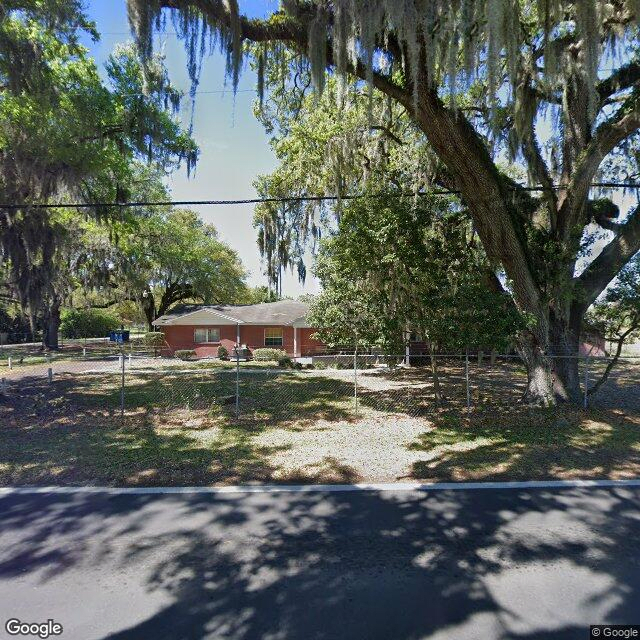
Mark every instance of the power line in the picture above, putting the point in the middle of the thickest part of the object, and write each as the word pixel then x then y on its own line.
pixel 198 93
pixel 185 203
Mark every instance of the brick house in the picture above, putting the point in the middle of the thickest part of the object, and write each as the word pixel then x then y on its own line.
pixel 204 328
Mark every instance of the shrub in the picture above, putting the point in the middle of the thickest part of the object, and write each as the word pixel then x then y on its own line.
pixel 154 339
pixel 285 361
pixel 223 353
pixel 268 355
pixel 185 354
pixel 87 323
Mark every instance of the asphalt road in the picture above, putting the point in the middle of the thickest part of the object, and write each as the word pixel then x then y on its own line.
pixel 479 564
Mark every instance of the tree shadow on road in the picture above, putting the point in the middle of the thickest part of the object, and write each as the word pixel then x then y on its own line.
pixel 454 564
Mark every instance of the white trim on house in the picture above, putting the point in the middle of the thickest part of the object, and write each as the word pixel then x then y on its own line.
pixel 180 320
pixel 301 323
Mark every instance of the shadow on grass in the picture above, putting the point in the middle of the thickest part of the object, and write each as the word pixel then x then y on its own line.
pixel 177 429
pixel 535 565
pixel 181 428
pixel 530 444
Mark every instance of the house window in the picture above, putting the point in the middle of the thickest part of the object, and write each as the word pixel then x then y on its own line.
pixel 273 337
pixel 206 335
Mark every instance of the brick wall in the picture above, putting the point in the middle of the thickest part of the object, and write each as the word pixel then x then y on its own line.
pixel 182 337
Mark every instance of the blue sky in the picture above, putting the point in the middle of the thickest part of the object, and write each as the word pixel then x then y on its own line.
pixel 234 147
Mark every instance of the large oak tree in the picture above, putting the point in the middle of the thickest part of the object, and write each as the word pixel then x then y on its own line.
pixel 65 135
pixel 513 60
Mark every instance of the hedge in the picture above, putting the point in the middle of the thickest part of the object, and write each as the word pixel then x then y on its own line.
pixel 269 355
pixel 154 339
pixel 87 323
pixel 185 354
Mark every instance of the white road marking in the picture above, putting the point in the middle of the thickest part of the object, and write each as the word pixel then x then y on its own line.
pixel 327 488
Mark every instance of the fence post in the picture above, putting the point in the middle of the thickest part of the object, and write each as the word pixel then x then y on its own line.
pixel 84 352
pixel 122 385
pixel 466 375
pixel 237 381
pixel 355 379
pixel 50 374
pixel 10 364
pixel 586 382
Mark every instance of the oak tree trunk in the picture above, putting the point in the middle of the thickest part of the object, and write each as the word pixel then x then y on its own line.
pixel 551 360
pixel 51 326
pixel 149 308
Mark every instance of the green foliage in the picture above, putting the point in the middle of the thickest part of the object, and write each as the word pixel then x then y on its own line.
pixel 87 323
pixel 67 134
pixel 256 295
pixel 173 256
pixel 400 265
pixel 267 354
pixel 618 313
pixel 185 354
pixel 223 353
pixel 328 147
pixel 154 339
pixel 285 361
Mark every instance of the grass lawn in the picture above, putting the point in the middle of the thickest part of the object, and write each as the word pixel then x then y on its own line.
pixel 180 427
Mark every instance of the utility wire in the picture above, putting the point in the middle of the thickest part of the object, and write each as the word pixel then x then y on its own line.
pixel 183 203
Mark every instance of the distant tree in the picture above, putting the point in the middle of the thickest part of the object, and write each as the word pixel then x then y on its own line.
pixel 618 314
pixel 174 257
pixel 256 295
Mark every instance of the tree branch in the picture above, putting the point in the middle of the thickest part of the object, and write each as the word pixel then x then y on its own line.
pixel 623 78
pixel 532 154
pixel 387 132
pixel 606 138
pixel 452 136
pixel 612 363
pixel 613 257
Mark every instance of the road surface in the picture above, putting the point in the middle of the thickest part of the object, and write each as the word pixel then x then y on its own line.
pixel 481 564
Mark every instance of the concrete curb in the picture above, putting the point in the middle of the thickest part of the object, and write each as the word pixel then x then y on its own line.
pixel 325 488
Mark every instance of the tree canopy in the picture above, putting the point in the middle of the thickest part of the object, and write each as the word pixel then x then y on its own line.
pixel 553 85
pixel 173 257
pixel 411 267
pixel 66 134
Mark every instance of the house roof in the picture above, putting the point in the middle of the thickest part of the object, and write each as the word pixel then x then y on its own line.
pixel 285 312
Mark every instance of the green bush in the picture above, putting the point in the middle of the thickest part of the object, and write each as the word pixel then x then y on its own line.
pixel 185 354
pixel 87 323
pixel 285 361
pixel 154 339
pixel 223 353
pixel 268 355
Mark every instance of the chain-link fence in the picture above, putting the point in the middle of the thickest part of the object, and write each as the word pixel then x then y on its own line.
pixel 117 384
